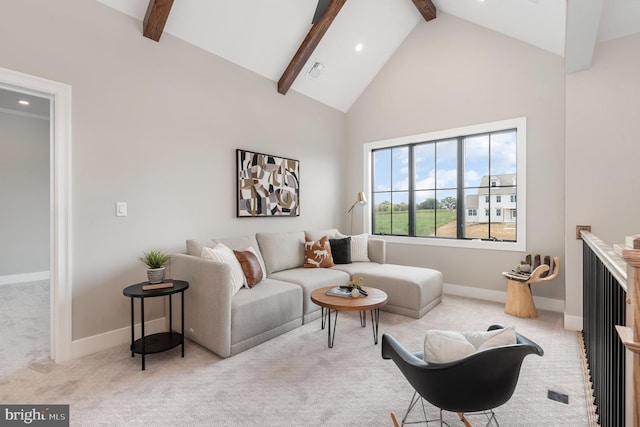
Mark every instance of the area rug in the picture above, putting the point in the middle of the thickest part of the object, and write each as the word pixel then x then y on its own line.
pixel 295 380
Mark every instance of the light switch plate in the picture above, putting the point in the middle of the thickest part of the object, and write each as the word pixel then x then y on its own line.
pixel 121 208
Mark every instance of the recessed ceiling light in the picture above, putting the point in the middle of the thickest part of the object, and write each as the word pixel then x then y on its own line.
pixel 359 47
pixel 23 102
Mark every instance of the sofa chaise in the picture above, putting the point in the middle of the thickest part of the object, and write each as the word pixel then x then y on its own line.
pixel 228 321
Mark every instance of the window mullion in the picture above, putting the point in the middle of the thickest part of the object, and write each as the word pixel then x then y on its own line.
pixel 460 191
pixel 412 210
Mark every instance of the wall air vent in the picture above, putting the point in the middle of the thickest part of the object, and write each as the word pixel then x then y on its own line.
pixel 315 70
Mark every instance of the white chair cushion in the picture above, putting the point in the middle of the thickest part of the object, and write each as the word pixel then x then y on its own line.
pixel 448 346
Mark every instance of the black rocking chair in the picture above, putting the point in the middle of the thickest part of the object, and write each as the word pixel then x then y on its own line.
pixel 479 382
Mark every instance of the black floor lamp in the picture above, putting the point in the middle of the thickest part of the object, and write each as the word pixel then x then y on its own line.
pixel 361 201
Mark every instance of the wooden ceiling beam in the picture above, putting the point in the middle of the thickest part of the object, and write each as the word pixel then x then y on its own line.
pixel 156 18
pixel 309 45
pixel 426 8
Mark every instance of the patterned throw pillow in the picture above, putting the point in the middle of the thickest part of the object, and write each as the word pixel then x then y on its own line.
pixel 317 254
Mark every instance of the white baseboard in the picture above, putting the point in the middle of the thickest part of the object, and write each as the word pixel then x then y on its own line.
pixel 25 277
pixel 106 340
pixel 572 323
pixel 542 303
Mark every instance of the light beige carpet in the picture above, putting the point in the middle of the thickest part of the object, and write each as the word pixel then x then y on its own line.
pixel 24 322
pixel 295 380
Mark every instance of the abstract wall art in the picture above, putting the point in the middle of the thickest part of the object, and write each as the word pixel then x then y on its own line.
pixel 267 185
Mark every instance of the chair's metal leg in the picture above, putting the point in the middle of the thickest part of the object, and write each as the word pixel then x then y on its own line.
pixel 414 400
pixel 492 418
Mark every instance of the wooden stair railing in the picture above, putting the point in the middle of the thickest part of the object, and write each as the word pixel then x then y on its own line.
pixel 630 336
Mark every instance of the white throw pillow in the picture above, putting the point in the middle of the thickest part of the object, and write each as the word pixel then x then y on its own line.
pixel 494 338
pixel 223 254
pixel 359 251
pixel 447 346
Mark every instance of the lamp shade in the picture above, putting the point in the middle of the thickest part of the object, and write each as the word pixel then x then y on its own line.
pixel 361 201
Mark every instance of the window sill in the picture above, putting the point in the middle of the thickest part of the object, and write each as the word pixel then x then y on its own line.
pixel 454 243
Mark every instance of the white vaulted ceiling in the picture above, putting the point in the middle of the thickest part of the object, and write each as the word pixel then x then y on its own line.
pixel 263 35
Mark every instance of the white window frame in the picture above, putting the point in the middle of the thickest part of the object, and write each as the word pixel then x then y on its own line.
pixel 519 123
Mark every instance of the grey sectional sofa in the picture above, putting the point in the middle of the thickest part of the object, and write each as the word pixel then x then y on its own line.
pixel 228 323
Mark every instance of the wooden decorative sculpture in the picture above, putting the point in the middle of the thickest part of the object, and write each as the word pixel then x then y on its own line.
pixel 519 299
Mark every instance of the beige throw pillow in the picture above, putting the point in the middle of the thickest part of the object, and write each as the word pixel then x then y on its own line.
pixel 359 250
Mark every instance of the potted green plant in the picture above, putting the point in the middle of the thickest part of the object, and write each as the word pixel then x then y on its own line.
pixel 156 261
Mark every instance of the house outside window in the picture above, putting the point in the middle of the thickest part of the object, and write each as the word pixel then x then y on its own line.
pixel 440 188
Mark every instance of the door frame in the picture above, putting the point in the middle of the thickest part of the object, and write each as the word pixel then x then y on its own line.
pixel 59 205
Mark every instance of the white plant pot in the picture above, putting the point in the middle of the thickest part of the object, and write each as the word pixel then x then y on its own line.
pixel 155 275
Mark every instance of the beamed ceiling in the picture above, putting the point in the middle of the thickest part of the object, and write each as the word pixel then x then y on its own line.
pixel 278 40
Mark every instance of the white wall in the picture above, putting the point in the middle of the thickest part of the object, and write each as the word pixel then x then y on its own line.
pixel 157 125
pixel 449 73
pixel 602 151
pixel 24 194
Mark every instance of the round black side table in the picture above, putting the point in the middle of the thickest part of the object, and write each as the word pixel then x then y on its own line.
pixel 162 341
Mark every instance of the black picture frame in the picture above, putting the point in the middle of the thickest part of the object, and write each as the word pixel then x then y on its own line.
pixel 267 185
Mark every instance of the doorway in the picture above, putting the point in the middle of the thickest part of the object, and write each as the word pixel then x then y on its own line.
pixel 59 96
pixel 24 247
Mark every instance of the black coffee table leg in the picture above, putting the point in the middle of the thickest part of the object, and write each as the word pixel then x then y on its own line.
pixel 375 320
pixel 331 336
pixel 363 318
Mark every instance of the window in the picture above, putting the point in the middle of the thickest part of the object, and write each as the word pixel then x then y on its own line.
pixel 437 185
